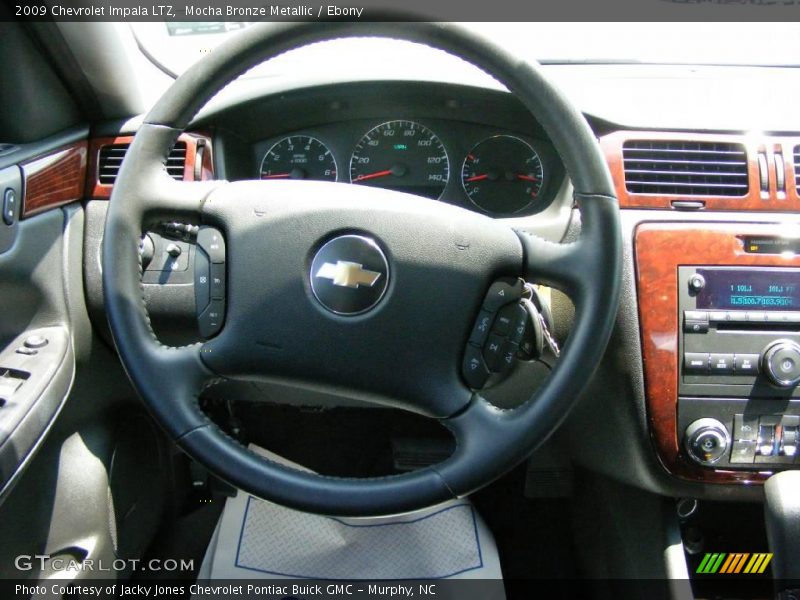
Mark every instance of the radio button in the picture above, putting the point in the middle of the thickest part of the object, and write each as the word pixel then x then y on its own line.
pixel 756 317
pixel 782 363
pixel 736 316
pixel 695 315
pixel 746 364
pixel 695 362
pixel 718 316
pixel 721 363
pixel 695 326
pixel 783 317
pixel 695 321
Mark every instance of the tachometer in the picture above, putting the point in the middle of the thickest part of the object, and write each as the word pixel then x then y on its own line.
pixel 299 157
pixel 403 156
pixel 502 174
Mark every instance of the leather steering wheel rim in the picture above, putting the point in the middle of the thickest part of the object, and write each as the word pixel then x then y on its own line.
pixel 489 441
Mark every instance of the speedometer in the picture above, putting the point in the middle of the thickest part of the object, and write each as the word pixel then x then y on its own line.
pixel 402 156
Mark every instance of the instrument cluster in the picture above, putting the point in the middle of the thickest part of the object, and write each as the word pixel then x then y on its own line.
pixel 496 172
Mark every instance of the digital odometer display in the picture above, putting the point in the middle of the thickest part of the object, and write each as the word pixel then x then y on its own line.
pixel 755 289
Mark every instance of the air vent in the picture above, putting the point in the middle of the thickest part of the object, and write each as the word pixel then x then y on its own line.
pixel 796 153
pixel 176 161
pixel 685 168
pixel 110 160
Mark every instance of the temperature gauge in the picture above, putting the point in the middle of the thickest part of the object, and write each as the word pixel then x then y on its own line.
pixel 502 175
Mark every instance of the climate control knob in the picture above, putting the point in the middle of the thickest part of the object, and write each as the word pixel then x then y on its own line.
pixel 706 441
pixel 781 363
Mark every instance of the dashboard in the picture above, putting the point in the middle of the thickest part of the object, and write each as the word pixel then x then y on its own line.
pixel 691 201
pixel 477 150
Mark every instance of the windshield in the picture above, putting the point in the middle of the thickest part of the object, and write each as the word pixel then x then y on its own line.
pixel 175 46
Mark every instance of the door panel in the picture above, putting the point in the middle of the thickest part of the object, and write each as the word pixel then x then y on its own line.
pixel 37 365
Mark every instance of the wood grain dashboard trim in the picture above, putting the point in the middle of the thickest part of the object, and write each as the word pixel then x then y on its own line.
pixel 194 141
pixel 660 248
pixel 54 179
pixel 773 147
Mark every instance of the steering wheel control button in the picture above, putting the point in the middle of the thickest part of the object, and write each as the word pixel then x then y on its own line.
pixel 509 353
pixel 706 441
pixel 498 334
pixel 695 362
pixel 502 292
pixel 217 281
pixel 474 368
pixel 480 331
pixel 9 206
pixel 209 281
pixel 493 351
pixel 504 320
pixel 349 274
pixel 202 281
pixel 210 321
pixel 781 363
pixel 35 341
pixel 519 325
pixel 212 243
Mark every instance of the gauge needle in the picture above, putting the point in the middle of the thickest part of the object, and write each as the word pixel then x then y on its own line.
pixel 477 177
pixel 373 175
pixel 277 176
pixel 527 178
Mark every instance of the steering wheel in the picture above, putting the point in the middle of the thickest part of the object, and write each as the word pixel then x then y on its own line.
pixel 438 261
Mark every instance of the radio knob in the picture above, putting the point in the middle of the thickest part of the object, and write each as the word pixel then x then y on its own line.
pixel 697 282
pixel 706 441
pixel 781 363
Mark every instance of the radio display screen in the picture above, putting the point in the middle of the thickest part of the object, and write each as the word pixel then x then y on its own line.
pixel 750 289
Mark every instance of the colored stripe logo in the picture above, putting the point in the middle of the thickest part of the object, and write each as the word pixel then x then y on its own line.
pixel 737 562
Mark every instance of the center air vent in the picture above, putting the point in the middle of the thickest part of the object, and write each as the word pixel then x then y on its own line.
pixel 110 160
pixel 796 153
pixel 685 168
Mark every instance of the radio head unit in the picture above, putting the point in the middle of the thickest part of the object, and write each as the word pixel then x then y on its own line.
pixel 739 343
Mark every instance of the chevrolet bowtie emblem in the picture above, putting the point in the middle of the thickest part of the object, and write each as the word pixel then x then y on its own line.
pixel 348 274
pixel 346 287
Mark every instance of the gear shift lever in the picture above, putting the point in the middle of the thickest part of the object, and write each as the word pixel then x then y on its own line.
pixel 782 514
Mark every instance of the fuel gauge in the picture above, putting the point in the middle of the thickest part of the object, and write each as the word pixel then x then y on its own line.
pixel 502 175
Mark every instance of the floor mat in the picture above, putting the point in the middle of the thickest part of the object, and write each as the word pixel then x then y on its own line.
pixel 259 539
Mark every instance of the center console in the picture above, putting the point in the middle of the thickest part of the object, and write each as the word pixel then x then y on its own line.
pixel 720 318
